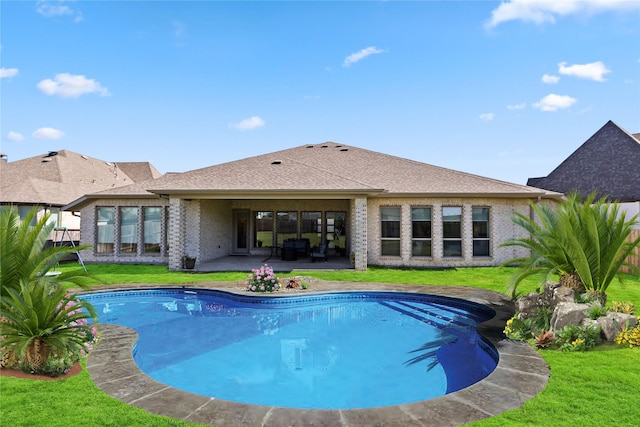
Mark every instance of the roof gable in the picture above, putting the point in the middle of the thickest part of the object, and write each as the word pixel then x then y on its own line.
pixel 59 177
pixel 607 163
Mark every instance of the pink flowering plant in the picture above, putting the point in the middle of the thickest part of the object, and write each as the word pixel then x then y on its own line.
pixel 262 280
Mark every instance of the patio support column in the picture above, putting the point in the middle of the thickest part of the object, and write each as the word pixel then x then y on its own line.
pixel 359 234
pixel 177 232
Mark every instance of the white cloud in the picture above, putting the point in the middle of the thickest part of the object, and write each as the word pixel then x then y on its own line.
pixel 487 117
pixel 546 11
pixel 54 9
pixel 359 56
pixel 48 133
pixel 14 136
pixel 8 72
pixel 593 71
pixel 553 102
pixel 549 79
pixel 251 123
pixel 71 86
pixel 517 107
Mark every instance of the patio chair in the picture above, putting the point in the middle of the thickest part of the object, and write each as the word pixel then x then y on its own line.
pixel 319 252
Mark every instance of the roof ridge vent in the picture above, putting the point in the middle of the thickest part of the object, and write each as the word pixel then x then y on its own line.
pixel 52 153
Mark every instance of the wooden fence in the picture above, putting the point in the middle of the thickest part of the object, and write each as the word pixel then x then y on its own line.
pixel 634 258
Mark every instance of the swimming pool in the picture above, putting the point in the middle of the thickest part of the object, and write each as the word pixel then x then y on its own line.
pixel 324 351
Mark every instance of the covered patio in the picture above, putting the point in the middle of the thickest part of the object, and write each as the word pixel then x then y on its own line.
pixel 249 262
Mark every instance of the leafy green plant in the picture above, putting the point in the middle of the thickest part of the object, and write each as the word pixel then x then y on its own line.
pixel 24 258
pixel 577 338
pixel 43 324
pixel 39 320
pixel 262 280
pixel 541 320
pixel 596 311
pixel 579 239
pixel 517 329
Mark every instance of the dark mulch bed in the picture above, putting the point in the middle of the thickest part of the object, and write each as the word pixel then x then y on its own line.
pixel 17 373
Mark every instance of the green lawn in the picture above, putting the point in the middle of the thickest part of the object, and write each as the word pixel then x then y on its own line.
pixel 596 388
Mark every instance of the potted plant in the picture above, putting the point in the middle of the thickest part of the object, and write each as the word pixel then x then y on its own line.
pixel 188 262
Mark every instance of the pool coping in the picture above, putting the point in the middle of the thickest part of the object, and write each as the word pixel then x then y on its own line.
pixel 521 373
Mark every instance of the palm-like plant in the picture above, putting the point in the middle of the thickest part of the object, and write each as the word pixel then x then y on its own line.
pixel 43 322
pixel 23 256
pixel 37 315
pixel 585 240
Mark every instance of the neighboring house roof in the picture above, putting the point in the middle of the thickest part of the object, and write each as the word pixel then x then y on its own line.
pixel 320 170
pixel 59 177
pixel 607 163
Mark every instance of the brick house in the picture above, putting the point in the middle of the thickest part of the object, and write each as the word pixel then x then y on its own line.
pixel 56 178
pixel 607 163
pixel 381 209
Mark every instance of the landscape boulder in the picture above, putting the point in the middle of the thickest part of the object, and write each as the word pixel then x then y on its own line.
pixel 613 323
pixel 568 313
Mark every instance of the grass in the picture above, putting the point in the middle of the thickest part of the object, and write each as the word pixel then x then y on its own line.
pixel 594 388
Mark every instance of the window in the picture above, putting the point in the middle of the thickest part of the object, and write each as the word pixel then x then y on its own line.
pixel 54 217
pixel 23 211
pixel 420 231
pixel 311 227
pixel 452 231
pixel 481 240
pixel 263 229
pixel 129 230
pixel 152 227
pixel 105 228
pixel 336 233
pixel 390 227
pixel 287 226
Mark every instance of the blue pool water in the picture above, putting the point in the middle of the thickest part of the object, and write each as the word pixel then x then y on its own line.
pixel 330 351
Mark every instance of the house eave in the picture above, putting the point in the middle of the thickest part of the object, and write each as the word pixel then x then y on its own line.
pixel 467 195
pixel 266 194
pixel 79 203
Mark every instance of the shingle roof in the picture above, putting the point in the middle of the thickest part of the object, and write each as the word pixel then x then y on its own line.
pixel 607 163
pixel 59 177
pixel 139 171
pixel 328 169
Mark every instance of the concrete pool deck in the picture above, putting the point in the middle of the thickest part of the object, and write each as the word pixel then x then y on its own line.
pixel 520 375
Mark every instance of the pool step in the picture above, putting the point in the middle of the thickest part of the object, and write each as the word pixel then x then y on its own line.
pixel 432 317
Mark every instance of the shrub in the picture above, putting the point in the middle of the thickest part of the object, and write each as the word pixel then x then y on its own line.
pixel 577 338
pixel 517 329
pixel 628 336
pixel 596 311
pixel 626 307
pixel 262 280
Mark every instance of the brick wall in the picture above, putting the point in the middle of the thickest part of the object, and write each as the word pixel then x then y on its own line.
pixel 501 229
pixel 88 233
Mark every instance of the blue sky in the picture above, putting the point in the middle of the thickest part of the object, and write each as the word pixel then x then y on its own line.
pixel 505 90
